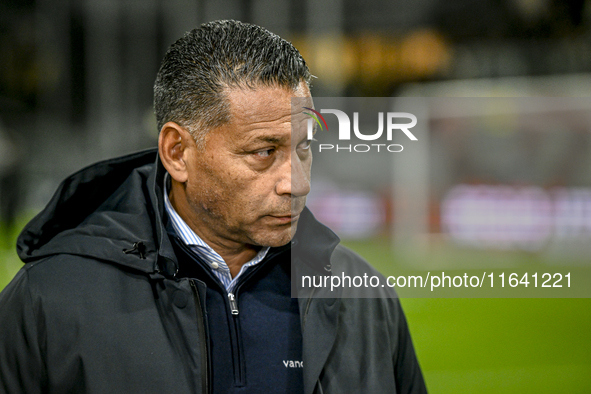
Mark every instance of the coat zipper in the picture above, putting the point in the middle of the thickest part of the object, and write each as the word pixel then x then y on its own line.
pixel 202 339
pixel 236 359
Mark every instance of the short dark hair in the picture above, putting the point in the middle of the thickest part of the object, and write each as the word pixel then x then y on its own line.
pixel 198 69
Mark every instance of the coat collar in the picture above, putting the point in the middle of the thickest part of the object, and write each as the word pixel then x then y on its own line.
pixel 311 254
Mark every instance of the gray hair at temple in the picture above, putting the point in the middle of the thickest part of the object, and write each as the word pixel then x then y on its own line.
pixel 199 68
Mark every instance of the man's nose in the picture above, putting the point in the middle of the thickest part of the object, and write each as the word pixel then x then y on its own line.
pixel 295 177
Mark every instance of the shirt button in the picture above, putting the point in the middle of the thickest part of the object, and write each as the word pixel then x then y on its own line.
pixel 215 266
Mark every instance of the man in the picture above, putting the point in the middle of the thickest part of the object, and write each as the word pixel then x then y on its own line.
pixel 169 271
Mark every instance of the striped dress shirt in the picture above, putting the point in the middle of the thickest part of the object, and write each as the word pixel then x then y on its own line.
pixel 215 262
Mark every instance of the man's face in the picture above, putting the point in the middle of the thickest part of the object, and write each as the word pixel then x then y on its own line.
pixel 249 183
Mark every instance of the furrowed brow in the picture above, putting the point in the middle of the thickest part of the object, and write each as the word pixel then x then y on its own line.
pixel 270 139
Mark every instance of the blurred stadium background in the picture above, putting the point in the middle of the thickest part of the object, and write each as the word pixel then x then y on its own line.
pixel 507 187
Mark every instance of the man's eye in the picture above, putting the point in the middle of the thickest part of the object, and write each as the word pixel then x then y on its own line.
pixel 264 153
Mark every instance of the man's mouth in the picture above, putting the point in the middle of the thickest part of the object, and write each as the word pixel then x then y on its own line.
pixel 289 218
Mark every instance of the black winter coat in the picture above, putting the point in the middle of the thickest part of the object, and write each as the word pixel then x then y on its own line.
pixel 98 308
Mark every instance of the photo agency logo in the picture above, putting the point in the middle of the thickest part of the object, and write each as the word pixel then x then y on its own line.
pixel 392 120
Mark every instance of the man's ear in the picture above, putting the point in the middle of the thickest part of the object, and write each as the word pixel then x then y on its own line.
pixel 174 143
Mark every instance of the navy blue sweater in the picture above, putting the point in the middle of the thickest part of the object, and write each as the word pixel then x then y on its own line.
pixel 255 344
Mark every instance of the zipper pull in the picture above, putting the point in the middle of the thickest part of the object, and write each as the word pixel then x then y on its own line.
pixel 233 304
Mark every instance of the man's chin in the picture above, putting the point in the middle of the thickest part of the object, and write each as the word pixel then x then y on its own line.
pixel 276 238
